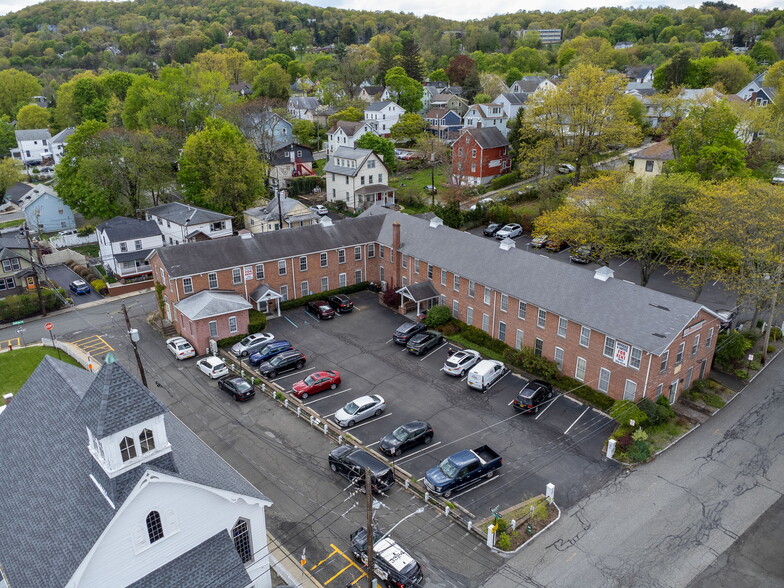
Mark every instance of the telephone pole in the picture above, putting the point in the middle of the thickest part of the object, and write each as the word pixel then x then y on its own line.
pixel 369 498
pixel 35 271
pixel 133 335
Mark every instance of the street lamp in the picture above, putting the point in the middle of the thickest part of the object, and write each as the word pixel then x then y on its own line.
pixel 420 510
pixel 432 179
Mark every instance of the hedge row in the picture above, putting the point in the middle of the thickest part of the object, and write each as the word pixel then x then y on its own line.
pixel 297 302
pixel 20 306
pixel 504 180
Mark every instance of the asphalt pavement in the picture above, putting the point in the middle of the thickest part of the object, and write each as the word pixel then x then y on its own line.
pixel 62 276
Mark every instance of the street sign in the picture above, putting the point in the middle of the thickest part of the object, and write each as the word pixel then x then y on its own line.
pixel 17 323
pixel 48 326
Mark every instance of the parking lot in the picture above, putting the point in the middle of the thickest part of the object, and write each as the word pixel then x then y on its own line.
pixel 560 445
pixel 62 276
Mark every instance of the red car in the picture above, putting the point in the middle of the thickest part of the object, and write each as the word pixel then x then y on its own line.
pixel 315 383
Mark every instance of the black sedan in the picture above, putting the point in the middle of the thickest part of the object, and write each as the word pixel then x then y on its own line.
pixel 238 387
pixel 491 229
pixel 341 303
pixel 405 437
pixel 424 342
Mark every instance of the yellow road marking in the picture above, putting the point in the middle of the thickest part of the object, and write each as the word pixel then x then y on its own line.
pixel 339 573
pixel 334 551
pixel 94 345
pixel 351 564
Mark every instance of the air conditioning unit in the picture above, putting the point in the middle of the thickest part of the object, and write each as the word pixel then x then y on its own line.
pixel 383 285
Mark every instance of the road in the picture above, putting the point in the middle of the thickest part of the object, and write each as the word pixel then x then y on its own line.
pixel 665 523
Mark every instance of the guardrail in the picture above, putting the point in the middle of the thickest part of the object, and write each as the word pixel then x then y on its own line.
pixel 294 405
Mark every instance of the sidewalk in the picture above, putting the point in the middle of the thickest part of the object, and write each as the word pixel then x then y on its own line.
pixel 287 566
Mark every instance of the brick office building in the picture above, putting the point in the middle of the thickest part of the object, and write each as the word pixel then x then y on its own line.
pixel 620 338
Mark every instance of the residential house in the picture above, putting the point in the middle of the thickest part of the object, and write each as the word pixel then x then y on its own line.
pixel 58 143
pixel 511 102
pixel 128 494
pixel 622 339
pixel 266 129
pixel 623 45
pixel 33 147
pixel 642 74
pixel 241 88
pixel 383 115
pixel 322 114
pixel 262 219
pixel 650 161
pixel 486 116
pixel 16 266
pixel 291 160
pixel 44 210
pixel 747 91
pixel 546 36
pixel 531 84
pixel 345 133
pixel 303 107
pixel 16 192
pixel 371 94
pixel 180 223
pixel 40 101
pixel 479 155
pixel 722 34
pixel 124 244
pixel 764 96
pixel 358 178
pixel 444 124
pixel 447 101
pixel 640 89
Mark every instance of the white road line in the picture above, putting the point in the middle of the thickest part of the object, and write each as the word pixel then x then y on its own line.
pixel 297 373
pixel 390 340
pixel 498 380
pixel 432 352
pixel 357 308
pixel 367 422
pixel 324 397
pixel 410 455
pixel 623 262
pixel 372 444
pixel 312 316
pixel 549 404
pixel 291 321
pixel 577 419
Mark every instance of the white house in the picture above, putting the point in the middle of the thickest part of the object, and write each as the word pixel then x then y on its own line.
pixel 303 107
pixel 130 496
pixel 511 103
pixel 124 244
pixel 358 178
pixel 530 84
pixel 486 116
pixel 754 86
pixel 383 115
pixel 183 223
pixel 345 134
pixel 33 147
pixel 58 143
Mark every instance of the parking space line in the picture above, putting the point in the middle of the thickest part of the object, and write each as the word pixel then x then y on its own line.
pixel 577 419
pixel 389 341
pixel 549 404
pixel 367 422
pixel 372 444
pixel 291 321
pixel 324 397
pixel 432 352
pixel 297 373
pixel 350 564
pixel 498 380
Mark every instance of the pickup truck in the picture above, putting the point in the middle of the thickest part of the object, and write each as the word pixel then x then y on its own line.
pixel 462 469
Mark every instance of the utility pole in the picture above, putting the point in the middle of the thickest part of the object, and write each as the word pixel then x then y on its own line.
pixel 35 271
pixel 133 335
pixel 772 311
pixel 432 179
pixel 369 497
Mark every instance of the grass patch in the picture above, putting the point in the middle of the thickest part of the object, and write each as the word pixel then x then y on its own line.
pixel 486 353
pixel 12 223
pixel 89 250
pixel 17 365
pixel 659 436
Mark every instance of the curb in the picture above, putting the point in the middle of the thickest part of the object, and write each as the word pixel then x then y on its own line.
pixel 511 554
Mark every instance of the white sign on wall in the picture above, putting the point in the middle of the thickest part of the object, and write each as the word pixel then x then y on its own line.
pixel 621 353
pixel 248 272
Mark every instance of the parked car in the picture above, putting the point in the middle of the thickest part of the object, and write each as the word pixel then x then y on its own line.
pixel 726 317
pixel 407 330
pixel 213 367
pixel 511 231
pixel 67 232
pixel 586 254
pixel 487 201
pixel 462 469
pixel 180 347
pixel 359 409
pixel 424 342
pixel 315 383
pixel 351 463
pixel 460 362
pixel 538 242
pixel 485 374
pixel 778 177
pixel 405 437
pixel 239 388
pixel 319 209
pixel 491 229
pixel 341 303
pixel 320 309
pixel 555 246
pixel 391 563
pixel 251 344
pixel 565 168
pixel 431 189
pixel 533 394
pixel 79 287
pixel 269 351
pixel 282 362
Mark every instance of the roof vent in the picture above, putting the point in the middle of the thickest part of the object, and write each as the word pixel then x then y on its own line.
pixel 436 222
pixel 246 234
pixel 507 244
pixel 604 273
pixel 325 221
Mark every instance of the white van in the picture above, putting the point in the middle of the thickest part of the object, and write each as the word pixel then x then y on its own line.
pixel 485 373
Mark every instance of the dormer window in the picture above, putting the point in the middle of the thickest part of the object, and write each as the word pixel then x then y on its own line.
pixel 127 448
pixel 146 441
pixel 154 526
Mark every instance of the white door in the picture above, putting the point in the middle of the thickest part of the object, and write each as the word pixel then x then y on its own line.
pixel 167 306
pixel 673 391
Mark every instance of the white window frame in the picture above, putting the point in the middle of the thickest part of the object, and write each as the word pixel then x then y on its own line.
pixel 487 295
pixel 635 358
pixel 213 326
pixel 603 385
pixel 259 271
pixel 541 318
pixel 501 331
pixel 521 308
pixel 469 315
pixel 443 277
pixel 212 278
pixel 233 328
pixel 558 358
pixel 342 280
pixel 456 283
pixel 281 267
pixel 679 355
pixel 323 259
pixel 303 263
pixel 709 338
pixel 325 283
pixel 341 256
pixel 357 276
pixel 304 288
pixel 609 346
pixel 695 345
pixel 455 309
pixel 579 369
pixel 664 359
pixel 519 339
pixel 357 253
pixel 585 336
pixel 485 322
pixel 471 288
pixel 187 285
pixel 236 275
pixel 630 385
pixel 563 325
pixel 504 302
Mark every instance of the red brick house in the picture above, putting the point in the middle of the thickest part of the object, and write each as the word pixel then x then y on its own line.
pixel 479 155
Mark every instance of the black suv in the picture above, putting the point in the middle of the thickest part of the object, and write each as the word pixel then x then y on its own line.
pixel 407 330
pixel 535 393
pixel 282 362
pixel 341 303
pixel 320 309
pixel 351 463
pixel 391 562
pixel 424 342
pixel 491 229
pixel 239 388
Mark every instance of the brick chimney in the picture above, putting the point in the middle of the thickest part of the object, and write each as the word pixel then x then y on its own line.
pixel 398 261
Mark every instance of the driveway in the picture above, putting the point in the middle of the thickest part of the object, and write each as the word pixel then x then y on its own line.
pixel 62 276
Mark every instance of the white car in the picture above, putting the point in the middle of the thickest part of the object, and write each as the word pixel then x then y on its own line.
pixel 213 367
pixel 565 168
pixel 778 177
pixel 486 373
pixel 360 409
pixel 511 231
pixel 319 209
pixel 484 202
pixel 251 343
pixel 180 347
pixel 460 362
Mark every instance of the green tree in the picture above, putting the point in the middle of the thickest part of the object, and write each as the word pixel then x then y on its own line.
pixel 220 170
pixel 272 82
pixel 32 116
pixel 381 146
pixel 408 128
pixel 406 91
pixel 7 136
pixel 10 173
pixel 764 53
pixel 674 72
pixel 309 133
pixel 412 61
pixel 355 67
pixel 438 75
pixel 351 114
pixel 18 87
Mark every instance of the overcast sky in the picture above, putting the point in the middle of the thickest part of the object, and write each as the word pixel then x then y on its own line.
pixel 467 9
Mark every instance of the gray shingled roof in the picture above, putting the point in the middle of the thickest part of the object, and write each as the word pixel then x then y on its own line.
pixel 33 135
pixel 193 258
pixel 116 400
pixel 640 316
pixel 355 153
pixel 63 135
pixel 304 102
pixel 488 137
pixel 530 83
pixel 178 212
pixel 214 558
pixel 16 192
pixel 379 105
pixel 516 98
pixel 51 512
pixel 349 127
pixel 209 303
pixel 122 228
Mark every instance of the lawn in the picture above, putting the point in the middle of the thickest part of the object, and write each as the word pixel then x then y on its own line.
pixel 17 365
pixel 12 223
pixel 89 250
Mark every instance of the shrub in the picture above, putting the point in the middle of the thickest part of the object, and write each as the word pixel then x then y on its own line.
pixel 297 302
pixel 541 512
pixel 85 231
pixel 664 404
pixel 640 435
pixel 624 411
pixel 450 329
pixel 78 268
pixel 99 286
pixel 437 316
pixel 502 525
pixel 504 180
pixel 713 400
pixel 229 341
pixel 639 451
pixel 390 298
pixel 503 542
pixel 624 442
pixel 650 410
pixel 20 306
pixel 731 347
pixel 775 333
pixel 257 321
